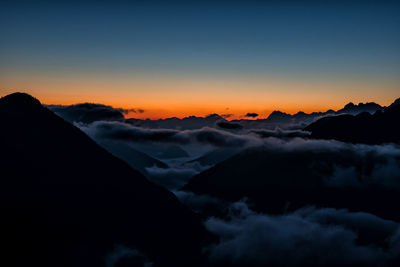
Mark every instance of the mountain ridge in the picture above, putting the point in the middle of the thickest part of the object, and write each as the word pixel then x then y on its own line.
pixel 69 201
pixel 380 127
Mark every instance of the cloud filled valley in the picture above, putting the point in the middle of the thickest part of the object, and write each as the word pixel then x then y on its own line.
pixel 331 203
pixel 251 192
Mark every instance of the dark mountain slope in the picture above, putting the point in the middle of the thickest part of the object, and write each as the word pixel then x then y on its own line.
pixel 65 201
pixel 381 127
pixel 277 181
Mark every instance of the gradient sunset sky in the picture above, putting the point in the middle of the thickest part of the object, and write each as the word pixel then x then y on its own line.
pixel 180 58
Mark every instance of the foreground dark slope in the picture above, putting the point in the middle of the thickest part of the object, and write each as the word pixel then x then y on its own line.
pixel 381 127
pixel 65 201
pixel 277 181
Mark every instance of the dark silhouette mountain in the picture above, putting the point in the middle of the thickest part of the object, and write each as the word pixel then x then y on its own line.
pixel 353 109
pixel 302 117
pixel 395 103
pixel 276 181
pixel 65 201
pixel 381 127
pixel 278 116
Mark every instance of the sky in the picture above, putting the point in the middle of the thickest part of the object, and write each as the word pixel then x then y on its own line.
pixel 181 58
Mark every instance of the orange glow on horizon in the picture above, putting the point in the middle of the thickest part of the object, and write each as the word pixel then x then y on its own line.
pixel 168 96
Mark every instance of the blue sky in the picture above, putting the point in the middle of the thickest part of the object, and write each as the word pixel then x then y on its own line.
pixel 333 40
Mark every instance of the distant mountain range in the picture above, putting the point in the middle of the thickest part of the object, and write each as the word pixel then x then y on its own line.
pixel 87 113
pixel 66 201
pixel 276 118
pixel 381 127
pixel 302 118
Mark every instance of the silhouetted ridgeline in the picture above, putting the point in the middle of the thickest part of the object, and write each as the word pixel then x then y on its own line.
pixel 65 201
pixel 381 127
pixel 274 119
pixel 89 112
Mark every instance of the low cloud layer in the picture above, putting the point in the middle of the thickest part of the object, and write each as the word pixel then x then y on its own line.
pixel 373 165
pixel 307 237
pixel 206 135
pixel 385 174
pixel 301 144
pixel 222 137
pixel 174 177
pixel 384 159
